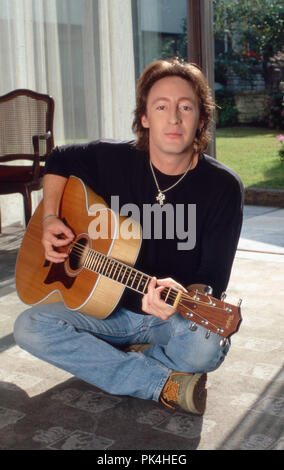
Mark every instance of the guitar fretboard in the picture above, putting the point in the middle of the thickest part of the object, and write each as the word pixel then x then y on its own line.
pixel 124 274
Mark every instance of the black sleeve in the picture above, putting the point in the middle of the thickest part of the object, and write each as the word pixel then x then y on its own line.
pixel 220 239
pixel 77 160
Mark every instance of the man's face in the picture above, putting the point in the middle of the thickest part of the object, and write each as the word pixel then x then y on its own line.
pixel 172 116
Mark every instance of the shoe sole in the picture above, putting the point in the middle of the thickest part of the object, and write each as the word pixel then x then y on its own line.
pixel 196 398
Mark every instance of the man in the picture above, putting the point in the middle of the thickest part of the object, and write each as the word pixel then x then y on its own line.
pixel 166 166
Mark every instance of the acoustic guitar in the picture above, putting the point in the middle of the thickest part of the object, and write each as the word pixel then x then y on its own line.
pixel 97 270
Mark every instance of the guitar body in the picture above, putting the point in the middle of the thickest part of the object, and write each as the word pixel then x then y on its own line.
pixel 40 281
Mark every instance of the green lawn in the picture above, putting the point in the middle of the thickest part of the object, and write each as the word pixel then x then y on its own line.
pixel 252 153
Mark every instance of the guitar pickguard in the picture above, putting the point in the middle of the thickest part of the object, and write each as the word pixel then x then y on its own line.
pixel 57 273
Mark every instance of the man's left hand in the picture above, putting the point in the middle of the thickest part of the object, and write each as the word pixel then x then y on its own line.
pixel 153 304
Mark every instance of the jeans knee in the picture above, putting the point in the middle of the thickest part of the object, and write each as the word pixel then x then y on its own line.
pixel 210 356
pixel 21 327
pixel 210 362
pixel 194 352
pixel 25 330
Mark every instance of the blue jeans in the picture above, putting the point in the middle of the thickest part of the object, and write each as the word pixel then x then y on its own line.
pixel 91 349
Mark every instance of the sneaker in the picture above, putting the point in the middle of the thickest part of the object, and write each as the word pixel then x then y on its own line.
pixel 186 391
pixel 139 348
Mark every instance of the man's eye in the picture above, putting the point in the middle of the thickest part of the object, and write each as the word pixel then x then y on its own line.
pixel 185 107
pixel 161 107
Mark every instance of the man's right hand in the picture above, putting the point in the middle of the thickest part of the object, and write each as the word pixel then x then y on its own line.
pixel 56 235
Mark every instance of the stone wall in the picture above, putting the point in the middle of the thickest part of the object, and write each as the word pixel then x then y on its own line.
pixel 264 197
pixel 250 95
pixel 235 82
pixel 250 104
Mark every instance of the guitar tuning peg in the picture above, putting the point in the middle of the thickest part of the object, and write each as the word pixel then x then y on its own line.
pixel 223 296
pixel 193 327
pixel 240 302
pixel 189 314
pixel 207 334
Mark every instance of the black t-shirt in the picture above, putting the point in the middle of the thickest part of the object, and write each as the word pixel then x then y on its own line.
pixel 206 204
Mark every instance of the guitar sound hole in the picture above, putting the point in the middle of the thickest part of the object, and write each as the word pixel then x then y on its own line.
pixel 76 257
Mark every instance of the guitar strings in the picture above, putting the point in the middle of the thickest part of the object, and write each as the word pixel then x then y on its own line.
pixel 103 259
pixel 127 270
pixel 199 316
pixel 79 249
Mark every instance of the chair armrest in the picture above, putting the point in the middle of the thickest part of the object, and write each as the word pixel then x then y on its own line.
pixel 37 159
pixel 37 138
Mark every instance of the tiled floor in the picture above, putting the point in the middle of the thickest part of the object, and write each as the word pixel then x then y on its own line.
pixel 42 407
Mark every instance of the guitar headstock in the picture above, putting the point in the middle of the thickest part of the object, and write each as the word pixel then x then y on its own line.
pixel 215 315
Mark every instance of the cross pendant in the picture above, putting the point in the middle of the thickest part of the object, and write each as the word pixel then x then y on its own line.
pixel 160 198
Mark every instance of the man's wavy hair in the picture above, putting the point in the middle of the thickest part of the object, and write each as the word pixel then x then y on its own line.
pixel 167 68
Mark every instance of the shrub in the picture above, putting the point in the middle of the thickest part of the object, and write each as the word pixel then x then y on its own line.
pixel 280 141
pixel 227 112
pixel 274 111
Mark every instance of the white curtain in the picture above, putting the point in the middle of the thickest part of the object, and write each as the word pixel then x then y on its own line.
pixel 29 54
pixel 117 67
pixel 81 53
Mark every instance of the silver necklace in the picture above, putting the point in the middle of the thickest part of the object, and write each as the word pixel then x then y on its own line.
pixel 161 193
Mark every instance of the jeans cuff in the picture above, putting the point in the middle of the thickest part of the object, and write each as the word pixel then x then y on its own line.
pixel 158 390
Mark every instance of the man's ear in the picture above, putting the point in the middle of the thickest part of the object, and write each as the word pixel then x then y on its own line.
pixel 144 121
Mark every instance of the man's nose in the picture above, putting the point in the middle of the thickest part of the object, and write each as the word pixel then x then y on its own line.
pixel 174 115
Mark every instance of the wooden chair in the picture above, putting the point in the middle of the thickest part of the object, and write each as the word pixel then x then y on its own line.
pixel 26 133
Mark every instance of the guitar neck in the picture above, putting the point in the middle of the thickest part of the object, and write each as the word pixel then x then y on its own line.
pixel 124 274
